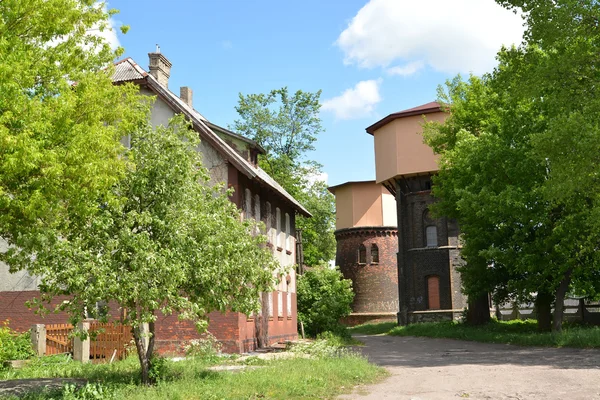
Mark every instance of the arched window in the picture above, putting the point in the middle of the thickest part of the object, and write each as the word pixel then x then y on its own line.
pixel 433 292
pixel 431 236
pixel 362 254
pixel 374 253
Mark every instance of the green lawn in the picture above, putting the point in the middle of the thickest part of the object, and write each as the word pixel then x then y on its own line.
pixel 522 333
pixel 322 376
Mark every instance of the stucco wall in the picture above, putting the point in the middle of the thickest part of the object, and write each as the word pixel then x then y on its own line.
pixel 399 148
pixel 17 281
pixel 364 204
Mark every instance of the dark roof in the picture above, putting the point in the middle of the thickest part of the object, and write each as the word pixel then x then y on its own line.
pixel 333 188
pixel 244 139
pixel 428 108
pixel 129 70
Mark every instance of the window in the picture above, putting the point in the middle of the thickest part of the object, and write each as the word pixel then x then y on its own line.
pixel 374 253
pixel 433 292
pixel 269 222
pixel 362 254
pixel 257 207
pixel 271 304
pixel 247 204
pixel 289 303
pixel 431 234
pixel 278 226
pixel 288 247
pixel 279 304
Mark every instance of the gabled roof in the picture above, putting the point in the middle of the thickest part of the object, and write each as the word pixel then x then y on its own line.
pixel 234 135
pixel 428 108
pixel 332 189
pixel 129 70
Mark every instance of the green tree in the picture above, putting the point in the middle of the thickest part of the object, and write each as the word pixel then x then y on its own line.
pixel 287 127
pixel 167 242
pixel 324 297
pixel 517 152
pixel 61 119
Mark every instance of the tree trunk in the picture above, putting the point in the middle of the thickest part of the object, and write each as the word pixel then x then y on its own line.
pixel 261 323
pixel 145 354
pixel 561 292
pixel 543 309
pixel 478 312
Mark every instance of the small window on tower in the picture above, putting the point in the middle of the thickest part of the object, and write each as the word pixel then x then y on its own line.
pixel 431 234
pixel 374 254
pixel 362 254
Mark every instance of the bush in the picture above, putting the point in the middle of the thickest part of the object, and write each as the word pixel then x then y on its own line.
pixel 324 297
pixel 14 345
pixel 207 347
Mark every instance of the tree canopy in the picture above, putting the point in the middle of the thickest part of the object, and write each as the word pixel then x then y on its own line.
pixel 287 127
pixel 519 161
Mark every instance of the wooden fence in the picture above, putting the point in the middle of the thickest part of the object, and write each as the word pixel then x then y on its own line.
pixel 58 339
pixel 109 341
pixel 106 341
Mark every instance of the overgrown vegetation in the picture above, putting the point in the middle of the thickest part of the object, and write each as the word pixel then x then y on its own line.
pixel 14 345
pixel 523 333
pixel 324 297
pixel 321 369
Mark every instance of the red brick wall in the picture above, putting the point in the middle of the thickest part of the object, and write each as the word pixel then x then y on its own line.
pixel 13 308
pixel 375 284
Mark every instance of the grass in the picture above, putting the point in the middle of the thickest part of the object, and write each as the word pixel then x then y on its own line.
pixel 325 375
pixel 523 333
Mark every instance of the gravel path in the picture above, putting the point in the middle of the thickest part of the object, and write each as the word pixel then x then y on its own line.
pixel 442 369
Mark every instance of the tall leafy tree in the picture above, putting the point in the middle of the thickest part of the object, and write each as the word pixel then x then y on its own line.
pixel 517 152
pixel 163 241
pixel 287 126
pixel 61 119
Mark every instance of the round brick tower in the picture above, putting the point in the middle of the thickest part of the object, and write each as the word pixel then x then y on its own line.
pixel 367 244
pixel 367 256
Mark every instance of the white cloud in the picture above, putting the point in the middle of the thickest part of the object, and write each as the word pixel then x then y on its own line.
pixel 226 44
pixel 406 70
pixel 448 36
pixel 313 178
pixel 357 102
pixel 109 33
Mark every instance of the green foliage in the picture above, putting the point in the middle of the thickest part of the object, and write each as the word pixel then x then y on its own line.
pixel 518 148
pixel 61 119
pixel 324 297
pixel 287 127
pixel 90 391
pixel 373 329
pixel 313 377
pixel 14 345
pixel 158 368
pixel 206 347
pixel 523 333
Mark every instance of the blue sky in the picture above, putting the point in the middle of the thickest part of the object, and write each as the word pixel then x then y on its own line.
pixel 370 58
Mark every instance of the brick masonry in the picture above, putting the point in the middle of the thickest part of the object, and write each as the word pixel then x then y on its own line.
pixel 375 284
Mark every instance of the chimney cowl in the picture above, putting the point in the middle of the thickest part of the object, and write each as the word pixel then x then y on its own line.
pixel 160 68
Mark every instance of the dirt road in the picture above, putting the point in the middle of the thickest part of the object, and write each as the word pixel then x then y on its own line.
pixel 441 369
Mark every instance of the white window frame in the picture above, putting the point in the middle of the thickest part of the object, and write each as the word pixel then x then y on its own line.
pixel 279 303
pixel 278 227
pixel 289 303
pixel 288 246
pixel 257 207
pixel 247 204
pixel 269 222
pixel 271 304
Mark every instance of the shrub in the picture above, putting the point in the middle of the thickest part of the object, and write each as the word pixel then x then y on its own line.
pixel 206 347
pixel 14 345
pixel 324 297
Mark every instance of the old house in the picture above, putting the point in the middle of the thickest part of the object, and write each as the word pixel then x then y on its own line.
pixel 367 241
pixel 231 159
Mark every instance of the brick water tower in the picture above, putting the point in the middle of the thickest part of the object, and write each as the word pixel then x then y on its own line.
pixel 367 242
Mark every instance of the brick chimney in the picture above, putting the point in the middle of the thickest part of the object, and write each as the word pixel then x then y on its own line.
pixel 185 94
pixel 160 67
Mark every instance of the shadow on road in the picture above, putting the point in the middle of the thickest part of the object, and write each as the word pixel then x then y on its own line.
pixel 418 352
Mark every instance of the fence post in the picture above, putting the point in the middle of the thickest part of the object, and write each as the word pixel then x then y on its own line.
pixel 38 339
pixel 81 348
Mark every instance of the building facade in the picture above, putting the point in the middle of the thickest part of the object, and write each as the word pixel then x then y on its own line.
pixel 231 160
pixel 428 255
pixel 367 242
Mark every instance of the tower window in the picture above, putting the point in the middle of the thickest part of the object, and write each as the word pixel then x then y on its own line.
pixel 431 236
pixel 374 253
pixel 362 254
